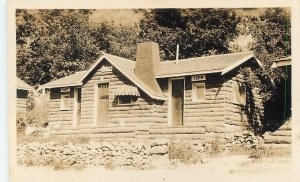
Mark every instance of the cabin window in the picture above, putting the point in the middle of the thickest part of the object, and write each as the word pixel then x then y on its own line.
pixel 65 101
pixel 198 92
pixel 126 99
pixel 239 94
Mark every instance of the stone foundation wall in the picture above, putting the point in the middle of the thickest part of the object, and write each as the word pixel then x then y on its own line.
pixel 129 154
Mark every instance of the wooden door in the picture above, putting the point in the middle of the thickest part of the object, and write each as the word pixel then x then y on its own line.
pixel 177 102
pixel 103 103
pixel 77 107
pixel 78 110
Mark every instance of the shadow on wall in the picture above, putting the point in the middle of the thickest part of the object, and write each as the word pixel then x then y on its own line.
pixel 277 110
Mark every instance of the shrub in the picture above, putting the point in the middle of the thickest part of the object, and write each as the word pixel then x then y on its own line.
pixel 35 116
pixel 215 147
pixel 182 152
pixel 21 123
pixel 110 164
pixel 261 152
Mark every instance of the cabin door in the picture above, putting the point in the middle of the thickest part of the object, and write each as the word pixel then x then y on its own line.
pixel 177 102
pixel 77 107
pixel 103 103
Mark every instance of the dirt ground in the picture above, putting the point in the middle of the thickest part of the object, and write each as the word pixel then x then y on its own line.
pixel 223 168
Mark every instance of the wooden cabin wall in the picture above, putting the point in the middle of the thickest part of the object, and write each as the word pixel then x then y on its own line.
pixel 21 100
pixel 210 112
pixel 60 118
pixel 139 113
pixel 236 118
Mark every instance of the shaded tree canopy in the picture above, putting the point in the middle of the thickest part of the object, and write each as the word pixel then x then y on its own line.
pixel 198 31
pixel 55 43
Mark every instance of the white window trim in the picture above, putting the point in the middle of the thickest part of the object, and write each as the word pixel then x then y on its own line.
pixel 194 89
pixel 62 107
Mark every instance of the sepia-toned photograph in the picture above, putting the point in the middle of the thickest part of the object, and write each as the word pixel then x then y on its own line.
pixel 153 94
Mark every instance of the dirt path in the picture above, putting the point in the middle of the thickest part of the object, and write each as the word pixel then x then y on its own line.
pixel 228 168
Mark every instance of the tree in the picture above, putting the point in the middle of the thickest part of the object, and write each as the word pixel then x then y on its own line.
pixel 198 31
pixel 272 40
pixel 53 43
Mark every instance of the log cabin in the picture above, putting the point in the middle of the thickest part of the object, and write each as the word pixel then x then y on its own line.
pixel 23 89
pixel 116 92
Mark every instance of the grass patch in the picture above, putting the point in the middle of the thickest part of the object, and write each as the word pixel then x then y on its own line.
pixel 269 152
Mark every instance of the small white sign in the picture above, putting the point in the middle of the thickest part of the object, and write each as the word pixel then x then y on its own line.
pixel 65 89
pixel 198 78
pixel 105 68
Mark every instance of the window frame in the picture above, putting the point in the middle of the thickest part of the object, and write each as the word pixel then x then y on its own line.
pixel 62 97
pixel 194 91
pixel 132 101
pixel 238 97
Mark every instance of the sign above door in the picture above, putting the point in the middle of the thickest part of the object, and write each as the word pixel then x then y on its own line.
pixel 198 78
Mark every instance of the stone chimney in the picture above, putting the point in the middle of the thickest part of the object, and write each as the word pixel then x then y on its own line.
pixel 147 63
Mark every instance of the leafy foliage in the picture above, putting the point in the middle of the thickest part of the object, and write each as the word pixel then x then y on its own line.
pixel 272 40
pixel 52 44
pixel 198 31
pixel 55 43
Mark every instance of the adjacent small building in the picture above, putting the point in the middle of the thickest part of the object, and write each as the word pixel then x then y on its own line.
pixel 286 97
pixel 118 92
pixel 23 89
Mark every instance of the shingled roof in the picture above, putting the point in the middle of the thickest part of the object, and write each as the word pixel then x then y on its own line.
pixel 22 85
pixel 71 80
pixel 202 65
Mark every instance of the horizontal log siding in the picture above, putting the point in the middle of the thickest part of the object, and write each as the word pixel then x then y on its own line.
pixel 21 104
pixel 210 112
pixel 161 107
pixel 132 132
pixel 140 112
pixel 21 100
pixel 236 119
pixel 57 117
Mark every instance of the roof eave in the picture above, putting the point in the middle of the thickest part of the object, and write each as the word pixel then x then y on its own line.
pixel 21 88
pixel 187 74
pixel 59 86
pixel 240 62
pixel 281 63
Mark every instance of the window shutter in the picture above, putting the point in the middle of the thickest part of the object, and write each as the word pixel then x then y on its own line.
pixel 198 91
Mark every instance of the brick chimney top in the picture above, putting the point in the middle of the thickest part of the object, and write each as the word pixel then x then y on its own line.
pixel 148 63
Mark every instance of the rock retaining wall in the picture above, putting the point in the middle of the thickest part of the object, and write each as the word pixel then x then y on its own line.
pixel 122 154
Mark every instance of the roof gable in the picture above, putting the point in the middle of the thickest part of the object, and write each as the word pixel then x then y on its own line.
pixel 23 85
pixel 126 67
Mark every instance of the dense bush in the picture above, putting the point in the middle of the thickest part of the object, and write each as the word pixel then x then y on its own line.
pixel 36 114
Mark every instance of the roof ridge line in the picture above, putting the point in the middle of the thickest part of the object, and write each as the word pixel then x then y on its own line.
pixel 207 56
pixel 104 54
